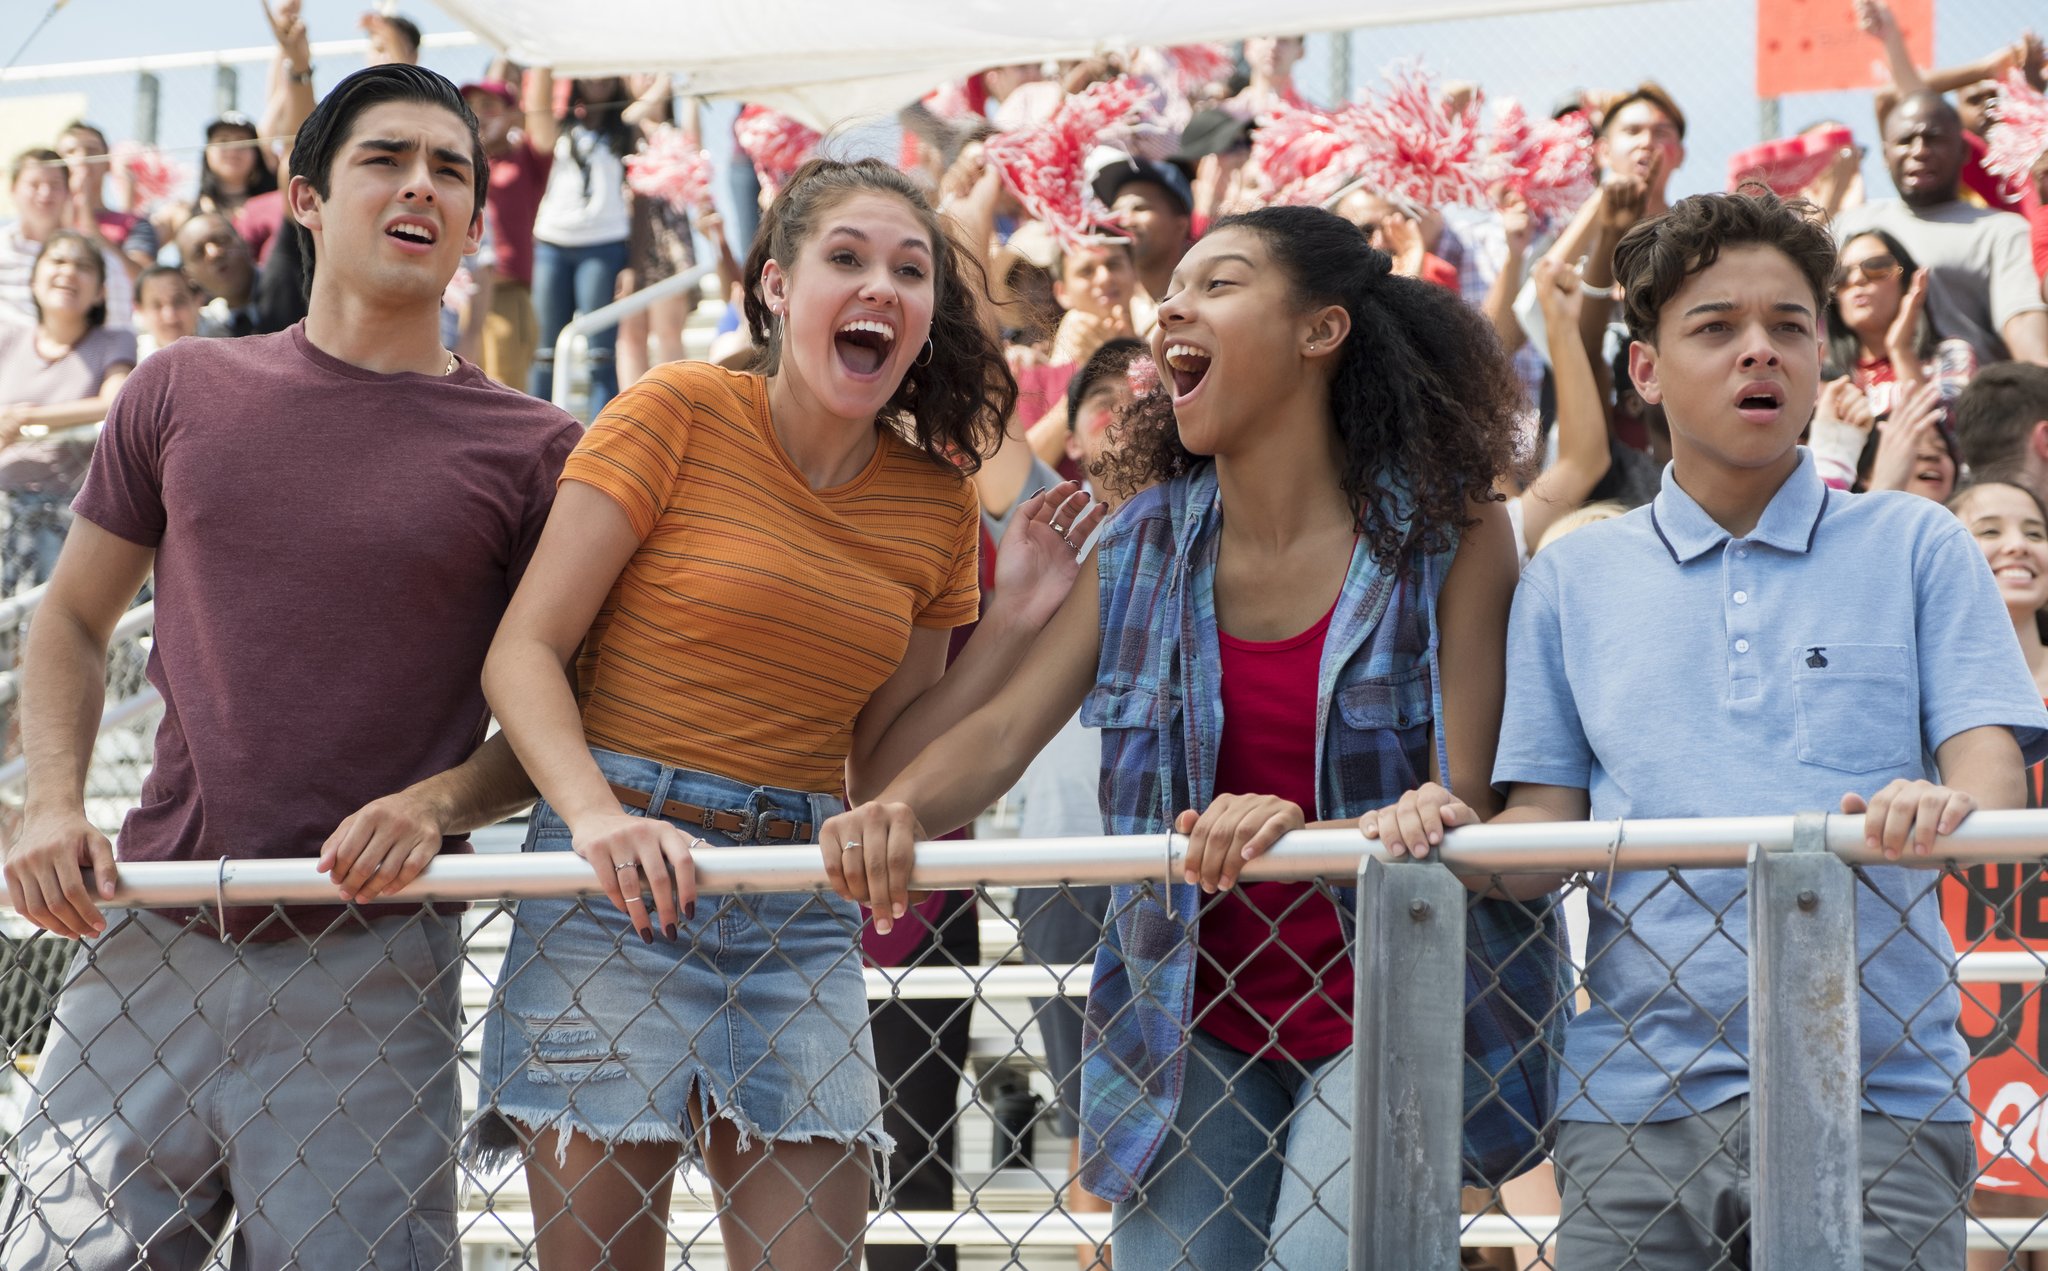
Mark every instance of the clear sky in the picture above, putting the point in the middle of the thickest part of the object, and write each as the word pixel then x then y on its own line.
pixel 1703 50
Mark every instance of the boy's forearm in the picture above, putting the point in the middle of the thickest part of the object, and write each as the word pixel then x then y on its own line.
pixel 482 790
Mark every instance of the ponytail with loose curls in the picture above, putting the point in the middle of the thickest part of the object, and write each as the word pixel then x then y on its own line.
pixel 1423 394
pixel 952 405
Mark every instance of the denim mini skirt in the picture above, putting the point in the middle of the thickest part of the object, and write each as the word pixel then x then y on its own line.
pixel 756 1013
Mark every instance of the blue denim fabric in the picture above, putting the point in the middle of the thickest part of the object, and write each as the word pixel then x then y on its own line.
pixel 568 281
pixel 1256 1171
pixel 758 1006
pixel 1158 703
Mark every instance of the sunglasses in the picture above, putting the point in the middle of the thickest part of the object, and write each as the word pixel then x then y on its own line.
pixel 1871 269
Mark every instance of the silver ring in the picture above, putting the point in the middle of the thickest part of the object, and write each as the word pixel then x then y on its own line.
pixel 852 845
pixel 1059 529
pixel 620 869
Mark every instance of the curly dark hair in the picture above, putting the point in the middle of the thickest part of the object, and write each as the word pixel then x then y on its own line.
pixel 1653 260
pixel 952 404
pixel 1422 389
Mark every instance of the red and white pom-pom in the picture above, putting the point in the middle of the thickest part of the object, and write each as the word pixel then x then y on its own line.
pixel 461 289
pixel 949 101
pixel 2019 131
pixel 151 176
pixel 1142 374
pixel 1424 154
pixel 1043 164
pixel 670 167
pixel 777 144
pixel 1193 68
pixel 1549 162
pixel 1789 164
pixel 1303 156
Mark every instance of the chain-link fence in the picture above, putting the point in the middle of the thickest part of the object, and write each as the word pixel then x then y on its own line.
pixel 126 741
pixel 1828 1086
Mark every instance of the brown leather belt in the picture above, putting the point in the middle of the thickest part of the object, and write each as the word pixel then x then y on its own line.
pixel 736 823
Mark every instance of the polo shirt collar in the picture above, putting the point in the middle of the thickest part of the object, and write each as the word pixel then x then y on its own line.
pixel 1789 522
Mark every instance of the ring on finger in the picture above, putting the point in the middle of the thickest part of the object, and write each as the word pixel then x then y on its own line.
pixel 623 868
pixel 852 845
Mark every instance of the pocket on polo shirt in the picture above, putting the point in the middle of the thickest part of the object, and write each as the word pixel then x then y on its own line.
pixel 1855 706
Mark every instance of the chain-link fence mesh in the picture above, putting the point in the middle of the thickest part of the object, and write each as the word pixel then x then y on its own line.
pixel 125 747
pixel 361 1086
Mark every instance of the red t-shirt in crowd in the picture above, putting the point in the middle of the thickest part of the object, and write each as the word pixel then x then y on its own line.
pixel 518 178
pixel 1273 978
pixel 1439 271
pixel 114 226
pixel 259 223
pixel 334 549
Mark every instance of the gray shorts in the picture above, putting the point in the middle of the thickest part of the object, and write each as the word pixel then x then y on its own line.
pixel 1675 1195
pixel 307 1087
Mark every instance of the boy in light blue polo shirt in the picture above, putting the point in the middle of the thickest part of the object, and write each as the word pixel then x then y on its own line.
pixel 1750 643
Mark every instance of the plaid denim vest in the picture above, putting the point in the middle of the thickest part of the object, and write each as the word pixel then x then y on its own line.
pixel 1158 704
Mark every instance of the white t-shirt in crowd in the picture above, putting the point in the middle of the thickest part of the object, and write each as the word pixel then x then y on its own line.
pixel 17 266
pixel 585 202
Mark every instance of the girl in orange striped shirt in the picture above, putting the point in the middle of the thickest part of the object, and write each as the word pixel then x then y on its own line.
pixel 760 573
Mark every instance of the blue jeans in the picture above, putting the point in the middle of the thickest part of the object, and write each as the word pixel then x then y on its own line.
pixel 568 281
pixel 1255 1171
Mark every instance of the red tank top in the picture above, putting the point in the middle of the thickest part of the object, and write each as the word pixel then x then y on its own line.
pixel 1274 977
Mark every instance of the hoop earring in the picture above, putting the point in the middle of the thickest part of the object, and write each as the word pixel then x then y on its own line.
pixel 926 360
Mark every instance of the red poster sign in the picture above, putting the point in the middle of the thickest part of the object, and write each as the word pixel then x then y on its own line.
pixel 2004 909
pixel 1814 46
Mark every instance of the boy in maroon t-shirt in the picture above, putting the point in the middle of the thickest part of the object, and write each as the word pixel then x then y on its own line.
pixel 336 516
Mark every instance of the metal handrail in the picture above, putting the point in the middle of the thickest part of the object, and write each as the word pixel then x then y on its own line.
pixel 16 608
pixel 1474 852
pixel 567 350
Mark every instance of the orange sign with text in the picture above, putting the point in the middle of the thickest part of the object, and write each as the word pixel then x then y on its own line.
pixel 1815 46
pixel 2003 908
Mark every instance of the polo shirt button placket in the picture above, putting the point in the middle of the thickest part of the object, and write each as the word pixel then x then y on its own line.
pixel 1742 674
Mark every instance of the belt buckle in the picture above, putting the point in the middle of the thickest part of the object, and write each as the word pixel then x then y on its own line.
pixel 750 822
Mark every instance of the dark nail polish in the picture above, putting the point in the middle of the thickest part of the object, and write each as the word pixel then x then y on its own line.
pixel 690 911
pixel 669 931
pixel 646 936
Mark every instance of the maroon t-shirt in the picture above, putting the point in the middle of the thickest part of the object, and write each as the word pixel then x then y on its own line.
pixel 334 548
pixel 518 179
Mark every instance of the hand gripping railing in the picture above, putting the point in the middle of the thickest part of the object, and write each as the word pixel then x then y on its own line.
pixel 1803 982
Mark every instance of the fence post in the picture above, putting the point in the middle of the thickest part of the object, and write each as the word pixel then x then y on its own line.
pixel 1409 1053
pixel 1804 1056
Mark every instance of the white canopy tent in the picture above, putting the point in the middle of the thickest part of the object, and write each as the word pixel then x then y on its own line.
pixel 827 60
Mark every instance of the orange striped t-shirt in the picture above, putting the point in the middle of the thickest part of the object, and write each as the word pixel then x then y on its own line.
pixel 758 615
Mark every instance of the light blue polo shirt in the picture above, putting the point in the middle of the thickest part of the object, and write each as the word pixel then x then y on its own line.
pixel 1672 671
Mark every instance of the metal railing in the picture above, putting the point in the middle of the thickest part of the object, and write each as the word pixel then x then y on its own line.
pixel 1805 1081
pixel 571 345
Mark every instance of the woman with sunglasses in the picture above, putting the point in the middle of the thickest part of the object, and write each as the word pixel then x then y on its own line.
pixel 1882 420
pixel 1879 332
